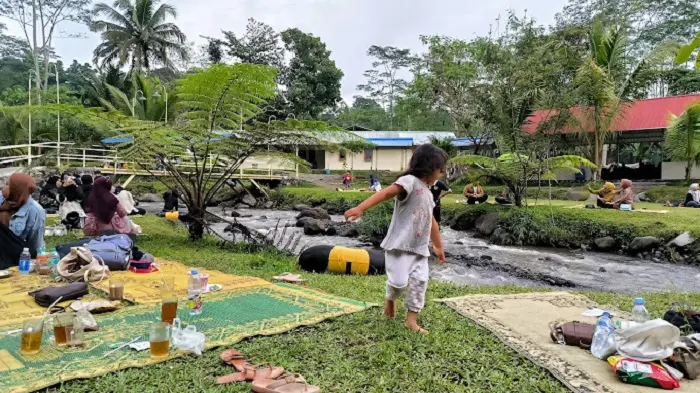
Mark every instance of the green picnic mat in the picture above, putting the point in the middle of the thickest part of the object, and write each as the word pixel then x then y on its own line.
pixel 227 318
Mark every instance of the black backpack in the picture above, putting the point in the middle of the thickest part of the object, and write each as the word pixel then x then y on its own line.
pixel 11 246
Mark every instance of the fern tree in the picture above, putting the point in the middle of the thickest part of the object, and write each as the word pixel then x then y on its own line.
pixel 514 170
pixel 683 138
pixel 207 129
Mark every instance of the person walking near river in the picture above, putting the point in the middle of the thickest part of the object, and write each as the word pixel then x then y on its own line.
pixel 412 229
pixel 439 189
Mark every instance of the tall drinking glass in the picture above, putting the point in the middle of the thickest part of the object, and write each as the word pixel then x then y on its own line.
pixel 160 339
pixel 62 326
pixel 168 310
pixel 32 332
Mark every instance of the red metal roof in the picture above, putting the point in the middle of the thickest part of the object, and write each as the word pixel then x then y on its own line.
pixel 649 114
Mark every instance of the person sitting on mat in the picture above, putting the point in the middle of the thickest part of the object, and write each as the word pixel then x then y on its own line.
pixel 374 184
pixel 105 213
pixel 505 198
pixel 171 201
pixel 475 193
pixel 21 213
pixel 412 229
pixel 70 208
pixel 625 195
pixel 606 195
pixel 127 201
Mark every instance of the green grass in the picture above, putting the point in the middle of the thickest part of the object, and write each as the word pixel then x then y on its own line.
pixel 362 352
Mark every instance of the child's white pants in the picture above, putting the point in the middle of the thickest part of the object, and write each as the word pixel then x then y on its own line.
pixel 407 270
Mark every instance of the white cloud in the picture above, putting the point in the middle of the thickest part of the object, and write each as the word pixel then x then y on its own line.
pixel 348 27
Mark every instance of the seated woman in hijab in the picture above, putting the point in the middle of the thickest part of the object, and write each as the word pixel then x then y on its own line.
pixel 606 195
pixel 625 195
pixel 70 204
pixel 105 213
pixel 21 217
pixel 126 199
pixel 374 184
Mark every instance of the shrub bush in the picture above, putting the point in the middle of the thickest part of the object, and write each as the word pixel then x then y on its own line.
pixel 374 224
pixel 662 194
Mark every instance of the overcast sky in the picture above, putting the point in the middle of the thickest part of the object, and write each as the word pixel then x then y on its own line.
pixel 348 27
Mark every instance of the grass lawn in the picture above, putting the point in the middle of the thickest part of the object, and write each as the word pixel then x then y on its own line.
pixel 362 352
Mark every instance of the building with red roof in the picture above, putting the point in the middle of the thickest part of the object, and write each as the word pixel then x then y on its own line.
pixel 638 121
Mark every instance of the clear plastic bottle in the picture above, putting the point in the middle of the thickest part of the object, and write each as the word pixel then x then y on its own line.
pixel 194 293
pixel 25 262
pixel 603 344
pixel 639 312
pixel 54 258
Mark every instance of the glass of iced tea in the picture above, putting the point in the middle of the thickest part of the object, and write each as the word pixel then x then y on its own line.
pixel 32 332
pixel 168 308
pixel 62 326
pixel 116 288
pixel 160 339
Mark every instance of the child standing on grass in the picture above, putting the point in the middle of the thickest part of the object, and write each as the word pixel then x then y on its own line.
pixel 412 228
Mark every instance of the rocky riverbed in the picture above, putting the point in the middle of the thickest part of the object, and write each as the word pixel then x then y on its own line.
pixel 472 261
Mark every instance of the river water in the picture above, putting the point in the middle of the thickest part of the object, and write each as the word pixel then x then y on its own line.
pixel 472 261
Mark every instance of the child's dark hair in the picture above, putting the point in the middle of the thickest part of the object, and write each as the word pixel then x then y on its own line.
pixel 426 159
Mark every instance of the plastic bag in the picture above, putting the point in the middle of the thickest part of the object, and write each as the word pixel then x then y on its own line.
pixel 188 339
pixel 643 374
pixel 87 320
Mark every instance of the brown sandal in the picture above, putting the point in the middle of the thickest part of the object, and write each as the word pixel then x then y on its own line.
pixel 252 373
pixel 293 383
pixel 234 358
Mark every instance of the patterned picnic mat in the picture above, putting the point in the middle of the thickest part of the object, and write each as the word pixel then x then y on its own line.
pixel 15 303
pixel 227 318
pixel 521 321
pixel 145 288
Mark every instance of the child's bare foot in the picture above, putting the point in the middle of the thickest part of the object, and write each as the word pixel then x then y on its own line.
pixel 390 309
pixel 414 326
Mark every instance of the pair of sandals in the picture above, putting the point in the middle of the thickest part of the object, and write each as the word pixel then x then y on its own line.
pixel 264 377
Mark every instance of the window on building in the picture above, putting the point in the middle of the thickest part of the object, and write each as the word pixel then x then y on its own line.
pixel 342 155
pixel 369 155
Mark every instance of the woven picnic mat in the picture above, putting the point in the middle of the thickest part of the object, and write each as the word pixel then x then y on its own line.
pixel 145 288
pixel 227 317
pixel 521 321
pixel 15 303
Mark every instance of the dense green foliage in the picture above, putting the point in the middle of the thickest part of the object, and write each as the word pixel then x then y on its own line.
pixel 683 139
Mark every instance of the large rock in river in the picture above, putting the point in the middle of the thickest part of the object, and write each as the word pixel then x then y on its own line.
pixel 487 224
pixel 249 200
pixel 301 207
pixel 315 212
pixel 314 227
pixel 641 244
pixel 577 196
pixel 607 243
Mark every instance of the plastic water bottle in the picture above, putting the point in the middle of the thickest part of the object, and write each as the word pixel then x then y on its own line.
pixel 603 344
pixel 639 312
pixel 25 262
pixel 194 293
pixel 54 258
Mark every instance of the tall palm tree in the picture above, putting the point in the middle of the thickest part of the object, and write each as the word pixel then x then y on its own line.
pixel 604 82
pixel 136 31
pixel 683 138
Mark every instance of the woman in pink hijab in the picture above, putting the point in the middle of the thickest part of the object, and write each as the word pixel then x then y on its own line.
pixel 625 195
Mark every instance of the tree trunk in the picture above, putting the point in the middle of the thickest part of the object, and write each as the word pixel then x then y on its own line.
pixel 688 169
pixel 35 52
pixel 196 227
pixel 598 159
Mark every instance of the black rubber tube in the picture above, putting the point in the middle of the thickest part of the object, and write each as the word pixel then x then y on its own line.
pixel 315 259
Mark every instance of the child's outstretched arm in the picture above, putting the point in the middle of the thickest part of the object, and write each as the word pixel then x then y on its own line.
pixel 384 195
pixel 437 241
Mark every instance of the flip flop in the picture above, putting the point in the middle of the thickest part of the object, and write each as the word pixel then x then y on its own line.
pixel 252 373
pixel 234 358
pixel 289 277
pixel 293 383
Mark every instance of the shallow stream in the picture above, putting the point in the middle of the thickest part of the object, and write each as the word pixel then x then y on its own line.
pixel 472 261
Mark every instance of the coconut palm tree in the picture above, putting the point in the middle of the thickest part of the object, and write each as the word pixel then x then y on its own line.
pixel 604 82
pixel 136 31
pixel 683 138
